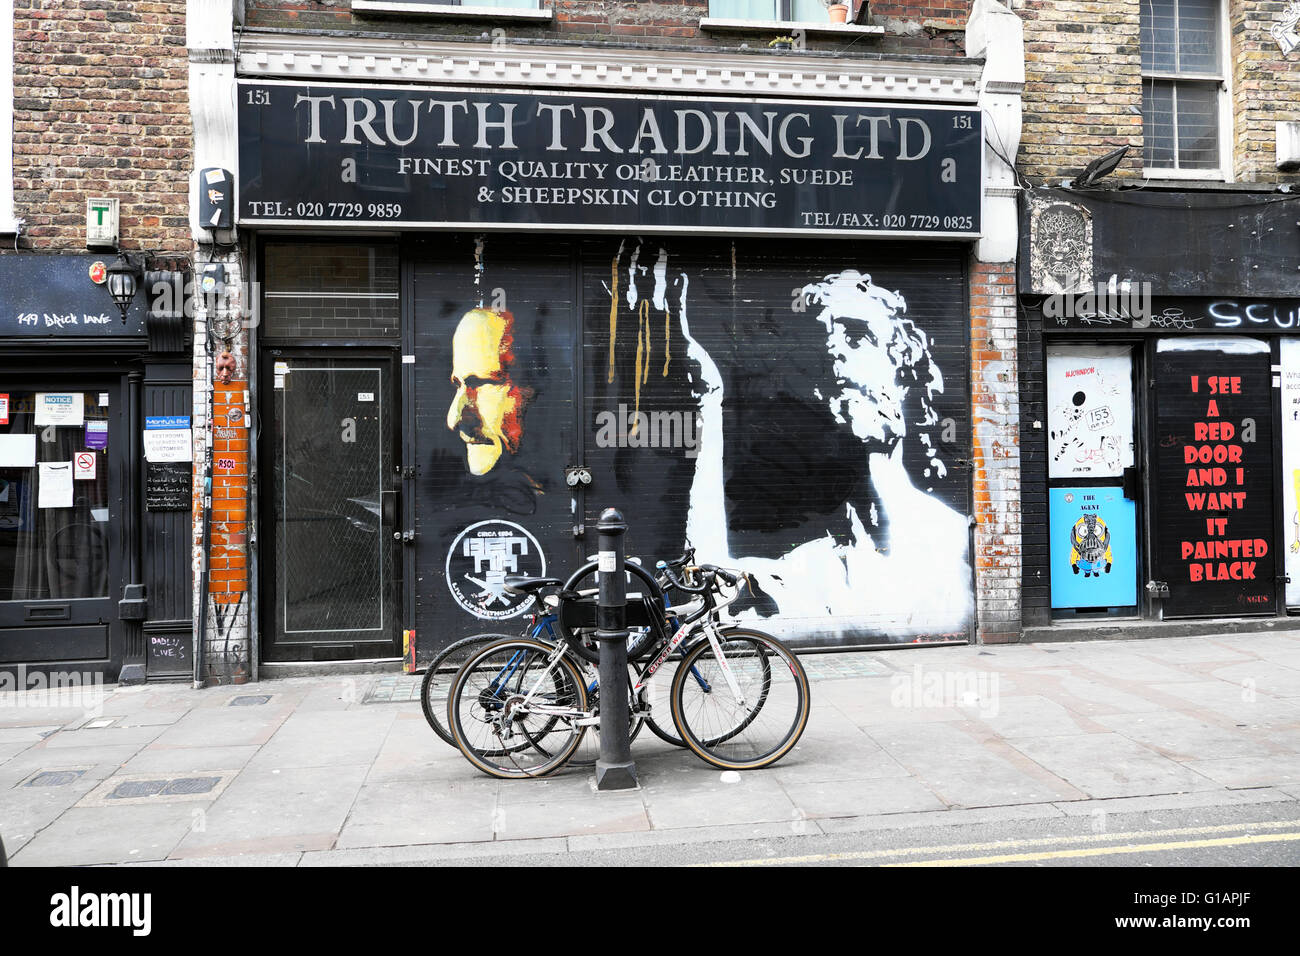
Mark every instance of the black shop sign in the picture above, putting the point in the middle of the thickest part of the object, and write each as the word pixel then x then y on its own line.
pixel 1215 543
pixel 459 158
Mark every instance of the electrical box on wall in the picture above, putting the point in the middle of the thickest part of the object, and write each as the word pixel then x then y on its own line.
pixel 102 223
pixel 1288 146
pixel 216 198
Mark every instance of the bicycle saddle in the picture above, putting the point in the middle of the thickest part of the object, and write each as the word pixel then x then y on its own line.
pixel 521 585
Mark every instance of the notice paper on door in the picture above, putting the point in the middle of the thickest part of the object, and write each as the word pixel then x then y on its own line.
pixel 54 488
pixel 60 408
pixel 17 451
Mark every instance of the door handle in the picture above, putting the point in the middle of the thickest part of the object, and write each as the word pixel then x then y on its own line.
pixel 388 507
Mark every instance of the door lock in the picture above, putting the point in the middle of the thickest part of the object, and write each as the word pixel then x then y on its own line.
pixel 575 475
pixel 406 537
pixel 1158 589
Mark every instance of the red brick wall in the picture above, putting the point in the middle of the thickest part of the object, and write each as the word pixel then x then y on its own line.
pixel 228 547
pixel 101 109
pixel 913 27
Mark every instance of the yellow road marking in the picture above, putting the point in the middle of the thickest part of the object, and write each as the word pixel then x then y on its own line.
pixel 1009 844
pixel 1104 851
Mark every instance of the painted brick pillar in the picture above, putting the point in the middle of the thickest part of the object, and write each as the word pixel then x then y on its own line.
pixel 222 451
pixel 995 412
pixel 995 33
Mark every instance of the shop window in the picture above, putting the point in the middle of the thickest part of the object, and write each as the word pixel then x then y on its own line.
pixel 54 501
pixel 1183 88
pixel 330 291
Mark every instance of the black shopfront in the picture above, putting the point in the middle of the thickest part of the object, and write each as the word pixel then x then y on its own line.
pixel 766 357
pixel 1158 390
pixel 94 582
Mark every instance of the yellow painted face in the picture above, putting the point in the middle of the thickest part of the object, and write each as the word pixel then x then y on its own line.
pixel 486 410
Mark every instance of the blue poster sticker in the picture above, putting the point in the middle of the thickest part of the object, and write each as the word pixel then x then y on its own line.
pixel 167 421
pixel 1093 547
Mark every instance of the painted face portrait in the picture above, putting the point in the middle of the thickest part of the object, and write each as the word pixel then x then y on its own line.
pixel 487 410
pixel 877 356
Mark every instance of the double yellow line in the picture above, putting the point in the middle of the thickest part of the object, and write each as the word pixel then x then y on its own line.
pixel 1019 851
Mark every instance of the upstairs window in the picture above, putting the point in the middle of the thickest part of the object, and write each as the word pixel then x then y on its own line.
pixel 1183 88
pixel 798 11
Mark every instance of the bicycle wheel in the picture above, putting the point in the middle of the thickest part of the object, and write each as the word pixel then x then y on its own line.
pixel 441 674
pixel 744 709
pixel 514 711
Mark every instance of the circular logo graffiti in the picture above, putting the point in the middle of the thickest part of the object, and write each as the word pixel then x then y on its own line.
pixel 480 560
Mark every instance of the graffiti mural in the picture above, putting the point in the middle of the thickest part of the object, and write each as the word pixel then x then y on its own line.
pixel 1093 547
pixel 819 435
pixel 802 414
pixel 1089 411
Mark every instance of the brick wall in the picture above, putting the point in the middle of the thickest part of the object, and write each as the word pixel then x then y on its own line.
pixel 1083 84
pixel 995 414
pixel 1265 89
pixel 100 109
pixel 1083 87
pixel 912 27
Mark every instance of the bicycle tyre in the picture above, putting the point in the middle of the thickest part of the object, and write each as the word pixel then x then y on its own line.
pixel 486 683
pixel 756 731
pixel 441 674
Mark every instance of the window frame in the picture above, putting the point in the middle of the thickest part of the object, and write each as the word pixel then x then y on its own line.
pixel 1223 100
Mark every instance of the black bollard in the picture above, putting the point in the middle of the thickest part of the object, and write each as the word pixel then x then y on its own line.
pixel 614 769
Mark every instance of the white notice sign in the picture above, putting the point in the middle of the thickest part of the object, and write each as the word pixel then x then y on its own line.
pixel 54 486
pixel 17 451
pixel 60 408
pixel 168 444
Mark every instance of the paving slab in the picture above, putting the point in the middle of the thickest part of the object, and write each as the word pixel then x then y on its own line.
pixel 1181 736
pixel 1272 770
pixel 753 798
pixel 322 739
pixel 277 811
pixel 403 812
pixel 82 837
pixel 862 798
pixel 1110 765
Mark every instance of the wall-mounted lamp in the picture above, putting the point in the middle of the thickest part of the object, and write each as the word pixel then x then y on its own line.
pixel 1098 168
pixel 123 279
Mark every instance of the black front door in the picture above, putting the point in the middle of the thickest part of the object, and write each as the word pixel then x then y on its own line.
pixel 60 522
pixel 331 506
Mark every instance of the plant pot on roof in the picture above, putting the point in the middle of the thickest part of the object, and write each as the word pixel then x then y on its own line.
pixel 781 43
pixel 839 11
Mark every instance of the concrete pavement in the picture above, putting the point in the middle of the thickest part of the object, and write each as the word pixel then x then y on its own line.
pixel 344 769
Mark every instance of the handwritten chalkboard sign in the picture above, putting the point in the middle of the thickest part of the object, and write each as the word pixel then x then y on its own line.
pixel 170 653
pixel 167 486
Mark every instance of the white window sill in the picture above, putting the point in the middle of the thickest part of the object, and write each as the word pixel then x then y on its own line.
pixel 449 12
pixel 787 27
pixel 9 226
pixel 1208 175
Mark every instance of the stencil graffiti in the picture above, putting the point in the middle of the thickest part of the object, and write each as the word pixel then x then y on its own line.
pixel 1060 247
pixel 481 558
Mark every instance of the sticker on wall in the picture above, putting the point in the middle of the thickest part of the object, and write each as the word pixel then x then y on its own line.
pixel 1093 548
pixel 4 408
pixel 482 557
pixel 60 408
pixel 83 466
pixel 1089 412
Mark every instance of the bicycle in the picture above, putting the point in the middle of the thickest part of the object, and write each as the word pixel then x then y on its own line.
pixel 520 707
pixel 545 622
